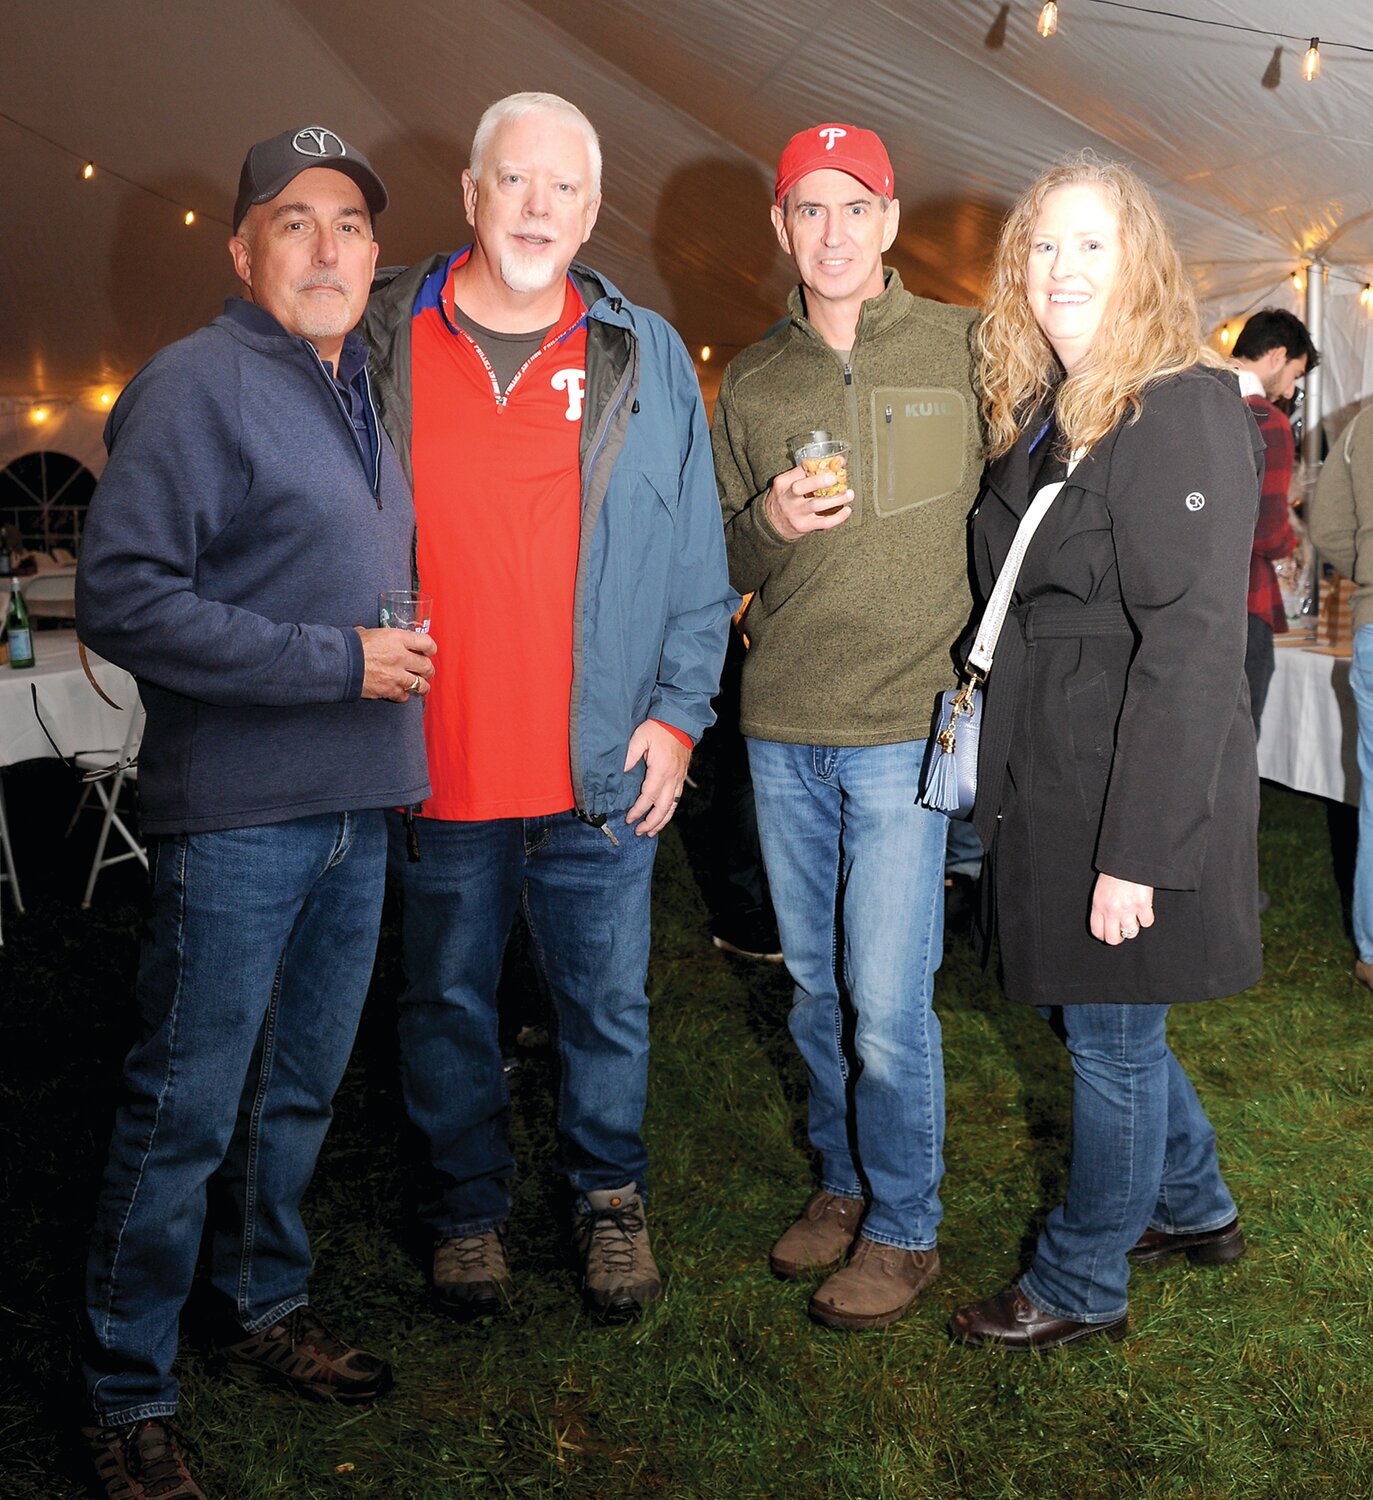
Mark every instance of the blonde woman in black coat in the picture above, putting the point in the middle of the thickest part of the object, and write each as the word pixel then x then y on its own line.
pixel 1117 787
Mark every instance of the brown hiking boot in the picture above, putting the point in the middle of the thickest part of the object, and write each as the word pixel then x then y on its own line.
pixel 140 1462
pixel 820 1239
pixel 300 1352
pixel 620 1276
pixel 879 1283
pixel 471 1277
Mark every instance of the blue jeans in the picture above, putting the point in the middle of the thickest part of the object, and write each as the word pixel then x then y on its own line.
pixel 586 900
pixel 250 985
pixel 963 855
pixel 1144 1157
pixel 856 869
pixel 1361 681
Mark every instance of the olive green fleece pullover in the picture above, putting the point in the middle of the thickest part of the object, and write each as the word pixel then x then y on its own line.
pixel 852 628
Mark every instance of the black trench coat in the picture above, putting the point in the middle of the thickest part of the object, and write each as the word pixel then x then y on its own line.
pixel 1117 735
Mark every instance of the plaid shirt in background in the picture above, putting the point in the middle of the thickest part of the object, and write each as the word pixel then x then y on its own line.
pixel 1273 534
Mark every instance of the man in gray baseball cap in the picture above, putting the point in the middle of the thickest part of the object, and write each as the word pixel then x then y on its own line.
pixel 251 511
pixel 271 165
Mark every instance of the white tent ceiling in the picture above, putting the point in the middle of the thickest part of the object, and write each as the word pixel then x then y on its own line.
pixel 1257 169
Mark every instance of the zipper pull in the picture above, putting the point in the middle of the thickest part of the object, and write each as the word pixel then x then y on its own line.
pixel 889 416
pixel 848 373
pixel 605 829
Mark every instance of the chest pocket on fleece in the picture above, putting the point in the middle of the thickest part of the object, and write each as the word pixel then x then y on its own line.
pixel 919 445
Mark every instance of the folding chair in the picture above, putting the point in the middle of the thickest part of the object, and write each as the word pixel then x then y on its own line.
pixel 7 870
pixel 108 782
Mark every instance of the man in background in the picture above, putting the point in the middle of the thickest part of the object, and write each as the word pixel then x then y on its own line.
pixel 1341 523
pixel 1271 354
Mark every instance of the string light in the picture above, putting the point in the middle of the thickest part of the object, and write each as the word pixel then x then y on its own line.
pixel 106 398
pixel 40 414
pixel 190 218
pixel 1284 36
pixel 1225 336
pixel 1048 19
pixel 1299 281
pixel 1311 63
pixel 705 353
pixel 86 171
pixel 1366 296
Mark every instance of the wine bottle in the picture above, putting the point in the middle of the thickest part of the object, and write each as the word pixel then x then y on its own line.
pixel 18 630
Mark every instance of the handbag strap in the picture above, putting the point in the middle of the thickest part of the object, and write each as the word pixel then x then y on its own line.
pixel 994 617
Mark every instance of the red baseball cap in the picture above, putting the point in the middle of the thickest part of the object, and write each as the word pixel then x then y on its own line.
pixel 844 148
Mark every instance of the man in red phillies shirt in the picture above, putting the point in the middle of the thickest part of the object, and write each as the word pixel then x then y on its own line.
pixel 569 532
pixel 1272 353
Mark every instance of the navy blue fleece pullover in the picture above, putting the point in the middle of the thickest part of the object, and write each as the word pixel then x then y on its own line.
pixel 239 532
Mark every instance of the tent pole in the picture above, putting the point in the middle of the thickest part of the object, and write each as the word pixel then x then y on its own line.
pixel 1316 274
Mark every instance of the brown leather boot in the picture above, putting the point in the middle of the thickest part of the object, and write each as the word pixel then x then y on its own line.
pixel 879 1283
pixel 820 1239
pixel 620 1277
pixel 471 1276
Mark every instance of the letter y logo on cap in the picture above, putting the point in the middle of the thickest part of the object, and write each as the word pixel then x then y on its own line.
pixel 316 140
pixel 830 134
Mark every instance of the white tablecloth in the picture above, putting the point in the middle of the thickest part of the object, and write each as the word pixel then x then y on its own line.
pixel 74 713
pixel 1309 731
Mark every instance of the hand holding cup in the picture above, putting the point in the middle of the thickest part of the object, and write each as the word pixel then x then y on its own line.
pixel 397 655
pixel 820 473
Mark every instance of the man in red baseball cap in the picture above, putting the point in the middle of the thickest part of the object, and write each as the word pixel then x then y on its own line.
pixel 859 597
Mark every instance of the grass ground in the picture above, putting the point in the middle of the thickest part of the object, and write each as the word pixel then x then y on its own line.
pixel 1252 1381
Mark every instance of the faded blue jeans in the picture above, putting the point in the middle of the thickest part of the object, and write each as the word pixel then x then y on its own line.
pixel 586 900
pixel 251 981
pixel 856 869
pixel 1144 1157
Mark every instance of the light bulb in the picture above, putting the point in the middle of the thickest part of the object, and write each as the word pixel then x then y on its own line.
pixel 1299 281
pixel 40 414
pixel 1366 296
pixel 1048 19
pixel 88 171
pixel 190 218
pixel 1311 63
pixel 705 352
pixel 1225 336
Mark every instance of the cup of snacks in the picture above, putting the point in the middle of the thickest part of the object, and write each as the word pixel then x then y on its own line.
pixel 828 457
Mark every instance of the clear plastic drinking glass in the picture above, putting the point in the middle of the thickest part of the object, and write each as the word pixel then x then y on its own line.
pixel 405 609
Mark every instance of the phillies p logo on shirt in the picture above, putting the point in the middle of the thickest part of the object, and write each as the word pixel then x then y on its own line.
pixel 573 382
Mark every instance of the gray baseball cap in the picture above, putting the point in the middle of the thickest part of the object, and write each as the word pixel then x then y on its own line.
pixel 270 165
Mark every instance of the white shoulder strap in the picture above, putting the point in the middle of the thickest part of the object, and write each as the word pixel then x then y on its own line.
pixel 989 631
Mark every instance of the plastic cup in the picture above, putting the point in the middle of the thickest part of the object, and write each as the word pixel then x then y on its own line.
pixel 805 440
pixel 405 609
pixel 828 457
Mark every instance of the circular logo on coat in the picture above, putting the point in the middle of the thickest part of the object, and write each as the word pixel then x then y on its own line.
pixel 1195 500
pixel 317 141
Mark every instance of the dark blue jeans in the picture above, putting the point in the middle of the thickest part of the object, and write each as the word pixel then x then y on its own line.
pixel 1144 1156
pixel 586 900
pixel 250 985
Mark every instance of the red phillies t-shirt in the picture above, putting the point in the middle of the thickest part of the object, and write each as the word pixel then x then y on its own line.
pixel 498 510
